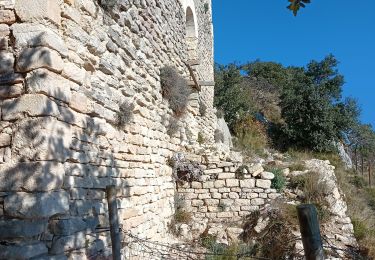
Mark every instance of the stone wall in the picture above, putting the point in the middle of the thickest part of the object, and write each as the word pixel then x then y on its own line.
pixel 66 70
pixel 227 192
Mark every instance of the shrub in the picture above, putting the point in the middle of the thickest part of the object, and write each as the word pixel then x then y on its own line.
pixel 358 181
pixel 201 140
pixel 360 229
pixel 107 4
pixel 251 136
pixel 125 114
pixel 219 136
pixel 173 126
pixel 298 166
pixel 174 89
pixel 278 182
pixel 220 113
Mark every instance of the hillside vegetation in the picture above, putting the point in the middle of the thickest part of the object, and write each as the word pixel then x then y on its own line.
pixel 300 110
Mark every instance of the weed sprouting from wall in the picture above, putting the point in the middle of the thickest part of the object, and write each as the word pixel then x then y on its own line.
pixel 174 89
pixel 124 115
pixel 173 126
pixel 107 4
pixel 201 140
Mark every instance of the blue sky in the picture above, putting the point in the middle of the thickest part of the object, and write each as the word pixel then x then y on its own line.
pixel 246 30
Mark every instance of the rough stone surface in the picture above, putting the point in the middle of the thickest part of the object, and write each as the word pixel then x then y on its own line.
pixel 21 228
pixel 32 105
pixel 6 62
pixel 39 57
pixel 37 205
pixel 38 10
pixel 35 35
pixel 35 176
pixel 23 250
pixel 7 16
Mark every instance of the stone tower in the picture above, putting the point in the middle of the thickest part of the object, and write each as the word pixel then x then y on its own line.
pixel 66 69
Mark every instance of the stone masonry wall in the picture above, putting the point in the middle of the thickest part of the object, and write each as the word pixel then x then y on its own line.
pixel 227 192
pixel 66 69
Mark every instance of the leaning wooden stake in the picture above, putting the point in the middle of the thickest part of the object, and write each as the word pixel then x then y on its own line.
pixel 113 222
pixel 309 226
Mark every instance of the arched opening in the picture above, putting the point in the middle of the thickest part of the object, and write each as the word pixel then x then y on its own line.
pixel 191 34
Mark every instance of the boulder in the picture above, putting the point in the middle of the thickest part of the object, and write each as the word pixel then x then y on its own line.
pixel 37 205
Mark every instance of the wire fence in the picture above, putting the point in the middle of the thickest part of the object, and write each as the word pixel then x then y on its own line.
pixel 136 248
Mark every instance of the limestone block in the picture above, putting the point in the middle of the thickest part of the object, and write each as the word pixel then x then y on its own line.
pixel 74 73
pixel 208 185
pixel 42 139
pixel 31 176
pixel 71 13
pixel 38 10
pixel 204 196
pixel 11 78
pixel 32 105
pixel 248 183
pixel 7 4
pixel 88 6
pixel 68 243
pixel 265 184
pixel 5 139
pixel 219 184
pixel 11 91
pixel 7 16
pixel 39 57
pixel 43 81
pixel 273 196
pixel 6 62
pixel 14 228
pixel 232 182
pixel 36 35
pixel 24 250
pixel 226 214
pixel 257 202
pixel 80 102
pixel 226 175
pixel 267 175
pixel 234 195
pixel 256 169
pixel 65 227
pixel 211 202
pixel 4 36
pixel 36 205
pixel 196 185
pixel 213 171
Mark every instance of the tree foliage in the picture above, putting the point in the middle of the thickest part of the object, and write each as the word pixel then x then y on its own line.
pixel 295 5
pixel 303 106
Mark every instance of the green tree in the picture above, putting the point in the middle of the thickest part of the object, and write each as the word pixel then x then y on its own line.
pixel 311 105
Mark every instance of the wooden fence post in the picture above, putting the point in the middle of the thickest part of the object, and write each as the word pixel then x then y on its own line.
pixel 113 222
pixel 310 231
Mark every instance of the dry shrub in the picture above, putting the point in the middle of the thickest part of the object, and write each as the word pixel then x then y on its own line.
pixel 125 114
pixel 173 126
pixel 276 241
pixel 174 89
pixel 251 136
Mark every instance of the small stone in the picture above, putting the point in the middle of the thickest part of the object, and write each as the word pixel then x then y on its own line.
pixel 256 169
pixel 265 184
pixel 5 140
pixel 37 205
pixel 6 62
pixel 226 175
pixel 248 183
pixel 232 182
pixel 7 17
pixel 65 227
pixel 267 175
pixel 74 73
pixel 80 103
pixel 68 243
pixel 39 57
pixel 11 91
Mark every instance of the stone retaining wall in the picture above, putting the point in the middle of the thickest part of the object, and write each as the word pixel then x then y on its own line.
pixel 227 192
